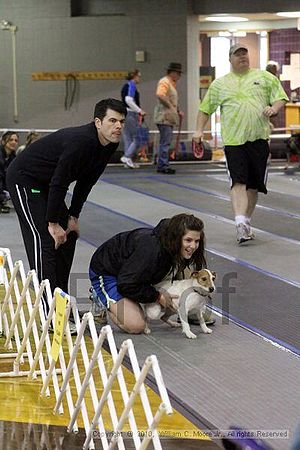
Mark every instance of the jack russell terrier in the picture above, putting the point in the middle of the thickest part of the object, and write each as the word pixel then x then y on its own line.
pixel 192 295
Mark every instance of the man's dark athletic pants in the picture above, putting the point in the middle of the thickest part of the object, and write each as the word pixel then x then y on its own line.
pixel 55 265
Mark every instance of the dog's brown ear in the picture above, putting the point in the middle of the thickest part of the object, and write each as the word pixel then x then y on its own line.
pixel 194 274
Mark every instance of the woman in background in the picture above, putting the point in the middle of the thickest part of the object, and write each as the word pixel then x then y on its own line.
pixel 31 137
pixel 131 99
pixel 9 143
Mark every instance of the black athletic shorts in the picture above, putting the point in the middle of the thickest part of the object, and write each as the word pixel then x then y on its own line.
pixel 247 164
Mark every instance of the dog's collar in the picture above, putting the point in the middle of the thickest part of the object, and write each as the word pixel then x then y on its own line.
pixel 204 294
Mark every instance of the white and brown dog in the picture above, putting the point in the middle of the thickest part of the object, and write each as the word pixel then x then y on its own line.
pixel 192 295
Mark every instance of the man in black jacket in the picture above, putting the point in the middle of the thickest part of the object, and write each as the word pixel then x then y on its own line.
pixel 38 181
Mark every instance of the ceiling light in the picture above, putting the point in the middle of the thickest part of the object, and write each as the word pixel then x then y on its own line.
pixel 240 34
pixel 289 14
pixel 226 19
pixel 224 33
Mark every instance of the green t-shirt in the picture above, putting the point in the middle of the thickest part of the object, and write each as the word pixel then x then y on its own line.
pixel 242 99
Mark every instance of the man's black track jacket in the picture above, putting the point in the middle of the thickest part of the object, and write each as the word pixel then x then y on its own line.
pixel 56 160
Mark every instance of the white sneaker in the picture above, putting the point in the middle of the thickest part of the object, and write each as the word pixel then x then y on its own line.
pixel 250 232
pixel 242 234
pixel 128 162
pixel 123 159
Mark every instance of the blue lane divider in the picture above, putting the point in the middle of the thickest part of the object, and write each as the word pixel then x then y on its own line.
pixel 257 331
pixel 275 211
pixel 204 211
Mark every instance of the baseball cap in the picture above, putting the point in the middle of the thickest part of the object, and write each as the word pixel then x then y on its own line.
pixel 234 48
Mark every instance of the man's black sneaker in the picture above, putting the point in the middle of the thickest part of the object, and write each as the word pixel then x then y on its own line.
pixel 4 209
pixel 168 171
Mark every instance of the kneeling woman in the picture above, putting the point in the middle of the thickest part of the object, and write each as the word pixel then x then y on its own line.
pixel 124 270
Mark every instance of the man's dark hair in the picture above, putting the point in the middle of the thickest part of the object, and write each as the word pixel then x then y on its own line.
pixel 109 103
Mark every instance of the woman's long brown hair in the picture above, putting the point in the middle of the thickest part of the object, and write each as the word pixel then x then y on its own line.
pixel 171 240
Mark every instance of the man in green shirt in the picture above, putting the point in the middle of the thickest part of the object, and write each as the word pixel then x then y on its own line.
pixel 247 99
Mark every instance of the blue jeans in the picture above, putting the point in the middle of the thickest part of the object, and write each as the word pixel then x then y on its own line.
pixel 165 138
pixel 129 134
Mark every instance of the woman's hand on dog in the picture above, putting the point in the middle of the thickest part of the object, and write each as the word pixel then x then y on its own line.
pixel 166 300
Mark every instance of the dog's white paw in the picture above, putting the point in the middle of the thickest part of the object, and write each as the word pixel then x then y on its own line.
pixel 207 331
pixel 147 330
pixel 190 335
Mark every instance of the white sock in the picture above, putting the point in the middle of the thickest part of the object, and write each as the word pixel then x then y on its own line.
pixel 240 219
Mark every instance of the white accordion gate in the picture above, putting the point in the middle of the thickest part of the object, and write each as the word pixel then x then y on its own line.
pixel 22 321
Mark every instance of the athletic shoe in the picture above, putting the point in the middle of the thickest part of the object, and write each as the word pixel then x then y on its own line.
pixel 251 234
pixel 128 162
pixel 100 318
pixel 167 171
pixel 242 234
pixel 98 310
pixel 123 159
pixel 4 209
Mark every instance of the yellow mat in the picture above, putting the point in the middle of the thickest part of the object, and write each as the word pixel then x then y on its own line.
pixel 21 402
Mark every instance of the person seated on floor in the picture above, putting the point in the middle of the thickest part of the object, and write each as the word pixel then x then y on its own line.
pixel 124 269
pixel 9 142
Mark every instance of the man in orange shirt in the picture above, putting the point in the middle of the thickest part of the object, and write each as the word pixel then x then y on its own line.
pixel 166 115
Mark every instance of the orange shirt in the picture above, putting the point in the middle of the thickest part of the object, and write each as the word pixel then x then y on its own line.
pixel 163 86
